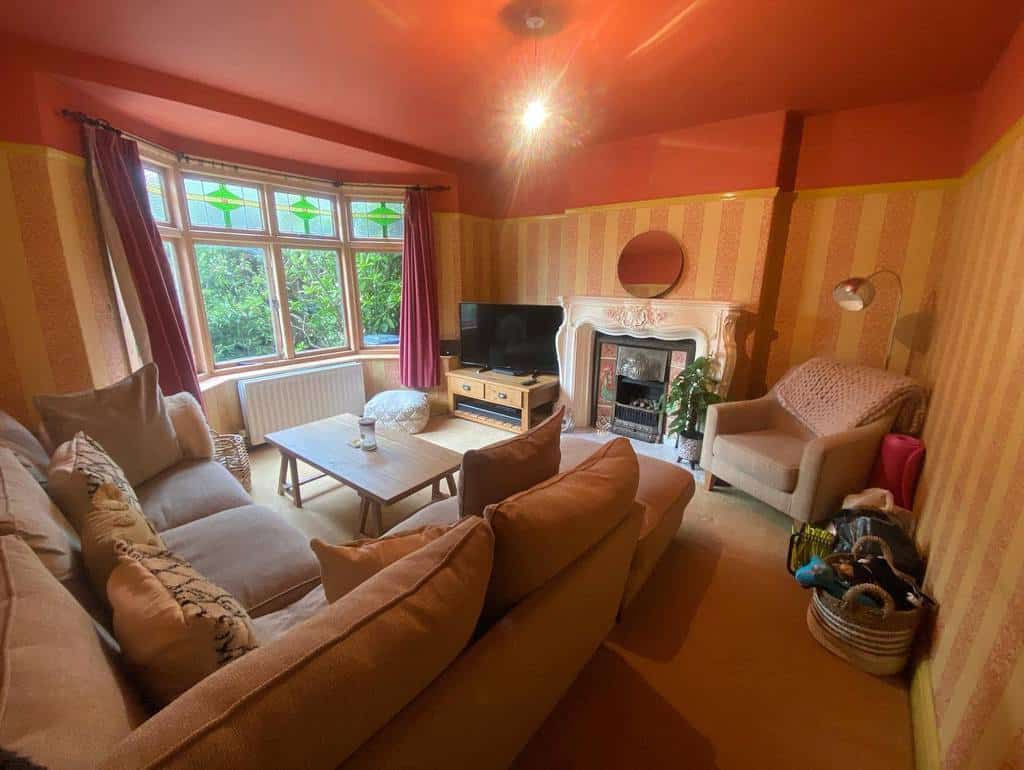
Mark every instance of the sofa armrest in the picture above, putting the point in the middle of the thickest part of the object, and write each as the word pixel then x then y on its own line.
pixel 735 417
pixel 191 426
pixel 833 467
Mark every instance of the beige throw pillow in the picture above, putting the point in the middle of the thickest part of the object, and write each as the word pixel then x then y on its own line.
pixel 491 474
pixel 26 447
pixel 111 519
pixel 541 531
pixel 174 626
pixel 78 468
pixel 28 512
pixel 129 418
pixel 343 567
pixel 190 426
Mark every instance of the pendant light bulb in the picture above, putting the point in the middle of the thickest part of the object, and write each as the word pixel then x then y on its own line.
pixel 535 115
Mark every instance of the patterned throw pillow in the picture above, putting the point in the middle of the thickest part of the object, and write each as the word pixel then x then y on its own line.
pixel 174 626
pixel 78 468
pixel 113 518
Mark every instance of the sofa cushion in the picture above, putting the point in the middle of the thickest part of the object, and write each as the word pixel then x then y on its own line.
pixel 111 519
pixel 345 566
pixel 539 532
pixel 63 701
pixel 314 695
pixel 129 419
pixel 190 426
pixel 175 626
pixel 26 447
pixel 188 491
pixel 440 513
pixel 28 512
pixel 771 456
pixel 491 474
pixel 77 469
pixel 261 559
pixel 272 625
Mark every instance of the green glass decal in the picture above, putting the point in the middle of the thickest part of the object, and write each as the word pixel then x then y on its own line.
pixel 378 219
pixel 215 203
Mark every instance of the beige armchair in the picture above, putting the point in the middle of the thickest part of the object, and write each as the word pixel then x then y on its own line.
pixel 762 449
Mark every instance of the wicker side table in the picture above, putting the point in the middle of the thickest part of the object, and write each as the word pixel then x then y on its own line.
pixel 229 450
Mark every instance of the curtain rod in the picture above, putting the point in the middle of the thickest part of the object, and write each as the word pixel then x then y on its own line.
pixel 81 117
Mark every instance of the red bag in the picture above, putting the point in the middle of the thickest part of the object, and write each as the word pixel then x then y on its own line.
pixel 898 467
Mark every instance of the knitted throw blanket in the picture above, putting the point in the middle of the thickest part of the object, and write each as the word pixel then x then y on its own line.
pixel 830 397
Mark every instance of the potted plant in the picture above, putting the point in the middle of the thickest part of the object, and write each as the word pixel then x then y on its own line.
pixel 686 403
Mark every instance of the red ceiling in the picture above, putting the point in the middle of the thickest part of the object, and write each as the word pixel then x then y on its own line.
pixel 450 76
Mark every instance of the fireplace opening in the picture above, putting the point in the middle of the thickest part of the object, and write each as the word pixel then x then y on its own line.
pixel 631 377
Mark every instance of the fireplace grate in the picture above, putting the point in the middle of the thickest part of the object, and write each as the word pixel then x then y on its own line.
pixel 637 422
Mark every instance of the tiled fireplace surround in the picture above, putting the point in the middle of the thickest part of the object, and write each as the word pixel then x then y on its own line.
pixel 711 325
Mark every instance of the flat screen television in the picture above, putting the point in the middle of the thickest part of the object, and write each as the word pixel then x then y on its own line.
pixel 509 338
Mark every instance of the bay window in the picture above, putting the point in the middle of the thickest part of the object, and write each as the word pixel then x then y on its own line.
pixel 267 270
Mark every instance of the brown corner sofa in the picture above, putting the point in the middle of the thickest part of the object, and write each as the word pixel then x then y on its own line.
pixel 67 700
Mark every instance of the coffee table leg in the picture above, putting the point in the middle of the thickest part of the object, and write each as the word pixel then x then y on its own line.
pixel 364 509
pixel 378 516
pixel 450 478
pixel 296 488
pixel 282 475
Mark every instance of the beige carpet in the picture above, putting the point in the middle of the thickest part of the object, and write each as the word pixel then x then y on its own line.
pixel 712 666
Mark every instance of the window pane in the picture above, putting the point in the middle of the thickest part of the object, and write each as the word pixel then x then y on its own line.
pixel 379 274
pixel 299 214
pixel 157 199
pixel 314 298
pixel 378 219
pixel 172 260
pixel 213 203
pixel 233 280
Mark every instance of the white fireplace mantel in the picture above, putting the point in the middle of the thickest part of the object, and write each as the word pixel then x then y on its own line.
pixel 711 325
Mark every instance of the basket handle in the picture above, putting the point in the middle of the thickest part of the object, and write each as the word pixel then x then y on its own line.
pixel 852 594
pixel 886 554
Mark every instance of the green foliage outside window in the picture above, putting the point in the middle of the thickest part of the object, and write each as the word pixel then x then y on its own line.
pixel 233 280
pixel 379 275
pixel 314 298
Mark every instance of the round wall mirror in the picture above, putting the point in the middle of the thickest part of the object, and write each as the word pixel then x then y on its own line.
pixel 650 264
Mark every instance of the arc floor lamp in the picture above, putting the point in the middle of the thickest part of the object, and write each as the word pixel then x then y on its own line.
pixel 856 294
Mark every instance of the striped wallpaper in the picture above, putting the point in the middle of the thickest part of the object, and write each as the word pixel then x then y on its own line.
pixel 972 490
pixel 58 327
pixel 835 233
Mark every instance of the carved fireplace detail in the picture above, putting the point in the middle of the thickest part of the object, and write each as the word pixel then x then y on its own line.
pixel 711 325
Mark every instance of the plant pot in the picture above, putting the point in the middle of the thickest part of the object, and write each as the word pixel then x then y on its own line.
pixel 690 442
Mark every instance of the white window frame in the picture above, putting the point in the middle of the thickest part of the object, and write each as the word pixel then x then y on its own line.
pixel 184 236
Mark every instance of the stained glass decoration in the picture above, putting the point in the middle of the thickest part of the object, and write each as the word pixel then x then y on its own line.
pixel 222 204
pixel 157 199
pixel 301 214
pixel 379 220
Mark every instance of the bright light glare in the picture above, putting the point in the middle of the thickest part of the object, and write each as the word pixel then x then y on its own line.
pixel 535 115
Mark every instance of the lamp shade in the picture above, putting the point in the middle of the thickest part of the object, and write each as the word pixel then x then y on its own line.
pixel 854 293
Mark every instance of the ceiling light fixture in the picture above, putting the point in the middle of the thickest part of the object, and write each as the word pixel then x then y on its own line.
pixel 536 110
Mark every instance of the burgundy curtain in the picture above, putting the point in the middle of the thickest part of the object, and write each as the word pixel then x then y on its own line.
pixel 118 170
pixel 418 343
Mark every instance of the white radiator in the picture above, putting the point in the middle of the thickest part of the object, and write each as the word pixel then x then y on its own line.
pixel 277 401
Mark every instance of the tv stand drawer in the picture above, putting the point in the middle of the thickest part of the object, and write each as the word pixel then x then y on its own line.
pixel 506 396
pixel 460 386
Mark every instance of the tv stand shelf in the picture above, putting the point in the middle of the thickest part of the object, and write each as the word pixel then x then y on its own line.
pixel 501 400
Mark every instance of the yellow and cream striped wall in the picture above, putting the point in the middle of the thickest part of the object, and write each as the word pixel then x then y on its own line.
pixel 59 330
pixel 971 493
pixel 838 232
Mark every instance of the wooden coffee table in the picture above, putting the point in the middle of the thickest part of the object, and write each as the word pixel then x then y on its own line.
pixel 402 464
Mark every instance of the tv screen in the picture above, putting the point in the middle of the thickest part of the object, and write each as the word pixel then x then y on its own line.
pixel 517 338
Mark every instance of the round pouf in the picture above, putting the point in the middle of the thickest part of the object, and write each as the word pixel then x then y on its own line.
pixel 406 410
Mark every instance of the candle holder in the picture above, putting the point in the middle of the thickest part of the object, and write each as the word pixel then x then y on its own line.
pixel 368 433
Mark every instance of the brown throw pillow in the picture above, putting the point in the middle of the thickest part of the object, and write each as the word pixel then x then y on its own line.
pixel 491 474
pixel 343 567
pixel 174 626
pixel 128 418
pixel 541 531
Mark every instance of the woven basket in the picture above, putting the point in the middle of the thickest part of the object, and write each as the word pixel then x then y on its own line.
pixel 878 641
pixel 229 450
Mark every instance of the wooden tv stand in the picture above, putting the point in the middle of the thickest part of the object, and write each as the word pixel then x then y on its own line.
pixel 501 400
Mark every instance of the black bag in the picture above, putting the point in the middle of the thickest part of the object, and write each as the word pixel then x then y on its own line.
pixel 852 525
